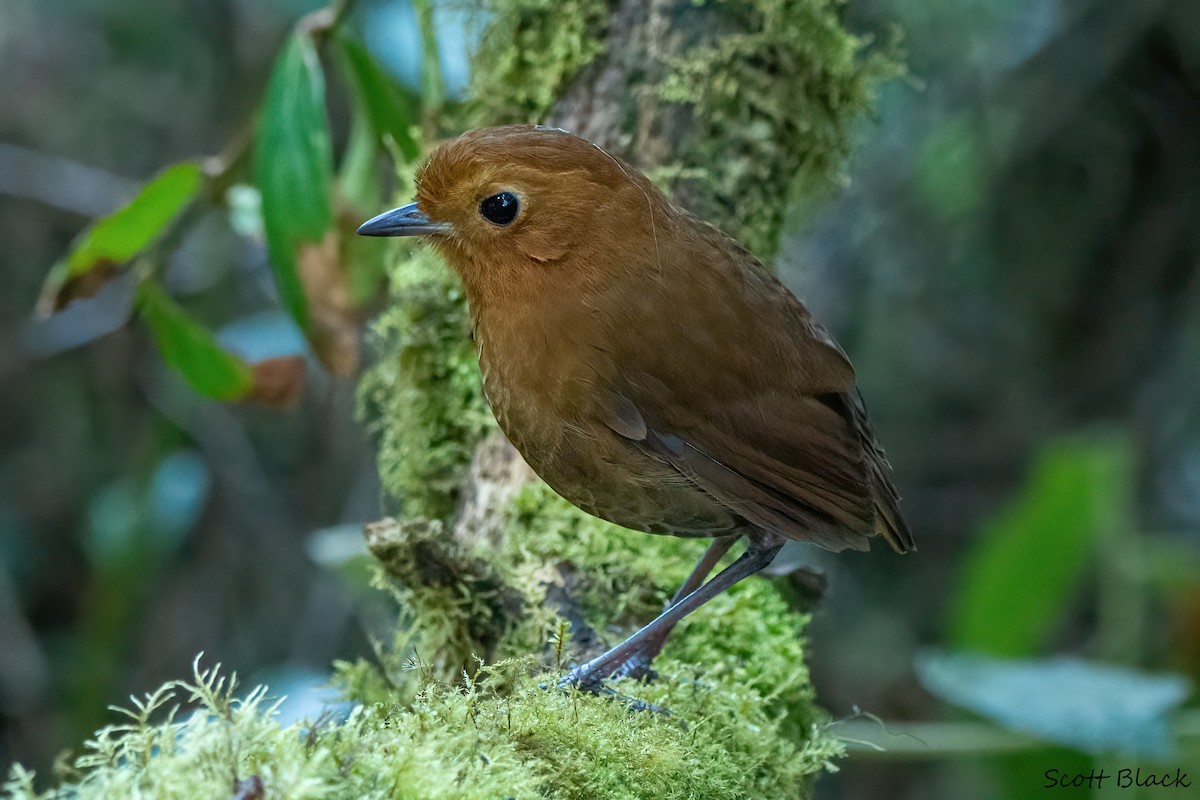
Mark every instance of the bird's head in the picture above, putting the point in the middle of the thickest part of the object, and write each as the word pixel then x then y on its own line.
pixel 524 198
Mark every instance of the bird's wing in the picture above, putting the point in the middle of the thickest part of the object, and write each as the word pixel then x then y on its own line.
pixel 787 465
pixel 767 422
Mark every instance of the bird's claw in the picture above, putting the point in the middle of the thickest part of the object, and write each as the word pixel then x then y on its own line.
pixel 600 690
pixel 588 678
pixel 638 670
pixel 593 680
pixel 574 681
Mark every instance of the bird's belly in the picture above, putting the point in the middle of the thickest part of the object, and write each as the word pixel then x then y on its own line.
pixel 609 477
pixel 541 405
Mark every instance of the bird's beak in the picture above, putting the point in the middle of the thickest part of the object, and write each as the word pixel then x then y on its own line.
pixel 403 221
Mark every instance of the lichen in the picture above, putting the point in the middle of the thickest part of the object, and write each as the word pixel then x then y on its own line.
pixel 773 104
pixel 456 605
pixel 772 94
pixel 748 636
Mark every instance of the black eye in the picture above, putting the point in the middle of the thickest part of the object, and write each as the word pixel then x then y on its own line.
pixel 500 209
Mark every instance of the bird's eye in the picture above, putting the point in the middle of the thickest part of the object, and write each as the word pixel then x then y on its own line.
pixel 500 209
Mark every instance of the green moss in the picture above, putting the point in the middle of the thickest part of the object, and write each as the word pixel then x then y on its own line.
pixel 455 604
pixel 465 741
pixel 530 51
pixel 773 94
pixel 423 398
pixel 741 720
pixel 773 105
pixel 623 577
pixel 506 603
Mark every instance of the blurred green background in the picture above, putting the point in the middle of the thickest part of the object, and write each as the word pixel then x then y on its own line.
pixel 1013 265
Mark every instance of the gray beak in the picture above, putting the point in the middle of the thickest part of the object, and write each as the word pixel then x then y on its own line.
pixel 403 221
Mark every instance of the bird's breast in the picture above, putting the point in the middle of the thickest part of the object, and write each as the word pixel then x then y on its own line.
pixel 532 378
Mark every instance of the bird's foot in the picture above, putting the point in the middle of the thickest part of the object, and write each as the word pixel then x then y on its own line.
pixel 590 677
pixel 598 688
pixel 585 679
pixel 638 668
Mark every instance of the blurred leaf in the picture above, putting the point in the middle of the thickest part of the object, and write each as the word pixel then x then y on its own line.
pixel 1092 707
pixel 192 349
pixel 279 382
pixel 112 241
pixel 293 165
pixel 111 538
pixel 358 181
pixel 1029 561
pixel 391 109
pixel 333 320
pixel 433 88
pixel 359 188
pixel 952 169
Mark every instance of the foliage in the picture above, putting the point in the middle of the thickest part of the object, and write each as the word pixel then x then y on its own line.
pixel 114 240
pixel 192 349
pixel 465 602
pixel 293 167
pixel 323 282
pixel 1096 708
pixel 1076 494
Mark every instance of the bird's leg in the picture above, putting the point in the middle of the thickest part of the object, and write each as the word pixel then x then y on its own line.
pixel 638 665
pixel 759 553
pixel 717 549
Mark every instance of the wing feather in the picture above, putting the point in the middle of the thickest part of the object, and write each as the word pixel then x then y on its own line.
pixel 769 424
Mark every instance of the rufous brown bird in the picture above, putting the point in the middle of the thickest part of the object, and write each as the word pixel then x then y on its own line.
pixel 648 367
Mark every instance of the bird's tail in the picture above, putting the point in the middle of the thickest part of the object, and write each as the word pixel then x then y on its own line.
pixel 889 520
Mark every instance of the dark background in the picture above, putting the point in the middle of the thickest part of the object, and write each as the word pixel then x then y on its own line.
pixel 1013 265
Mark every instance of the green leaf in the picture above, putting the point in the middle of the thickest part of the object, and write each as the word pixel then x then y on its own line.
pixel 358 179
pixel 391 109
pixel 112 241
pixel 192 349
pixel 293 166
pixel 1029 560
pixel 1092 707
pixel 359 189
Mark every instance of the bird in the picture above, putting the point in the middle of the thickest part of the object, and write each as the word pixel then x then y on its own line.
pixel 648 367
